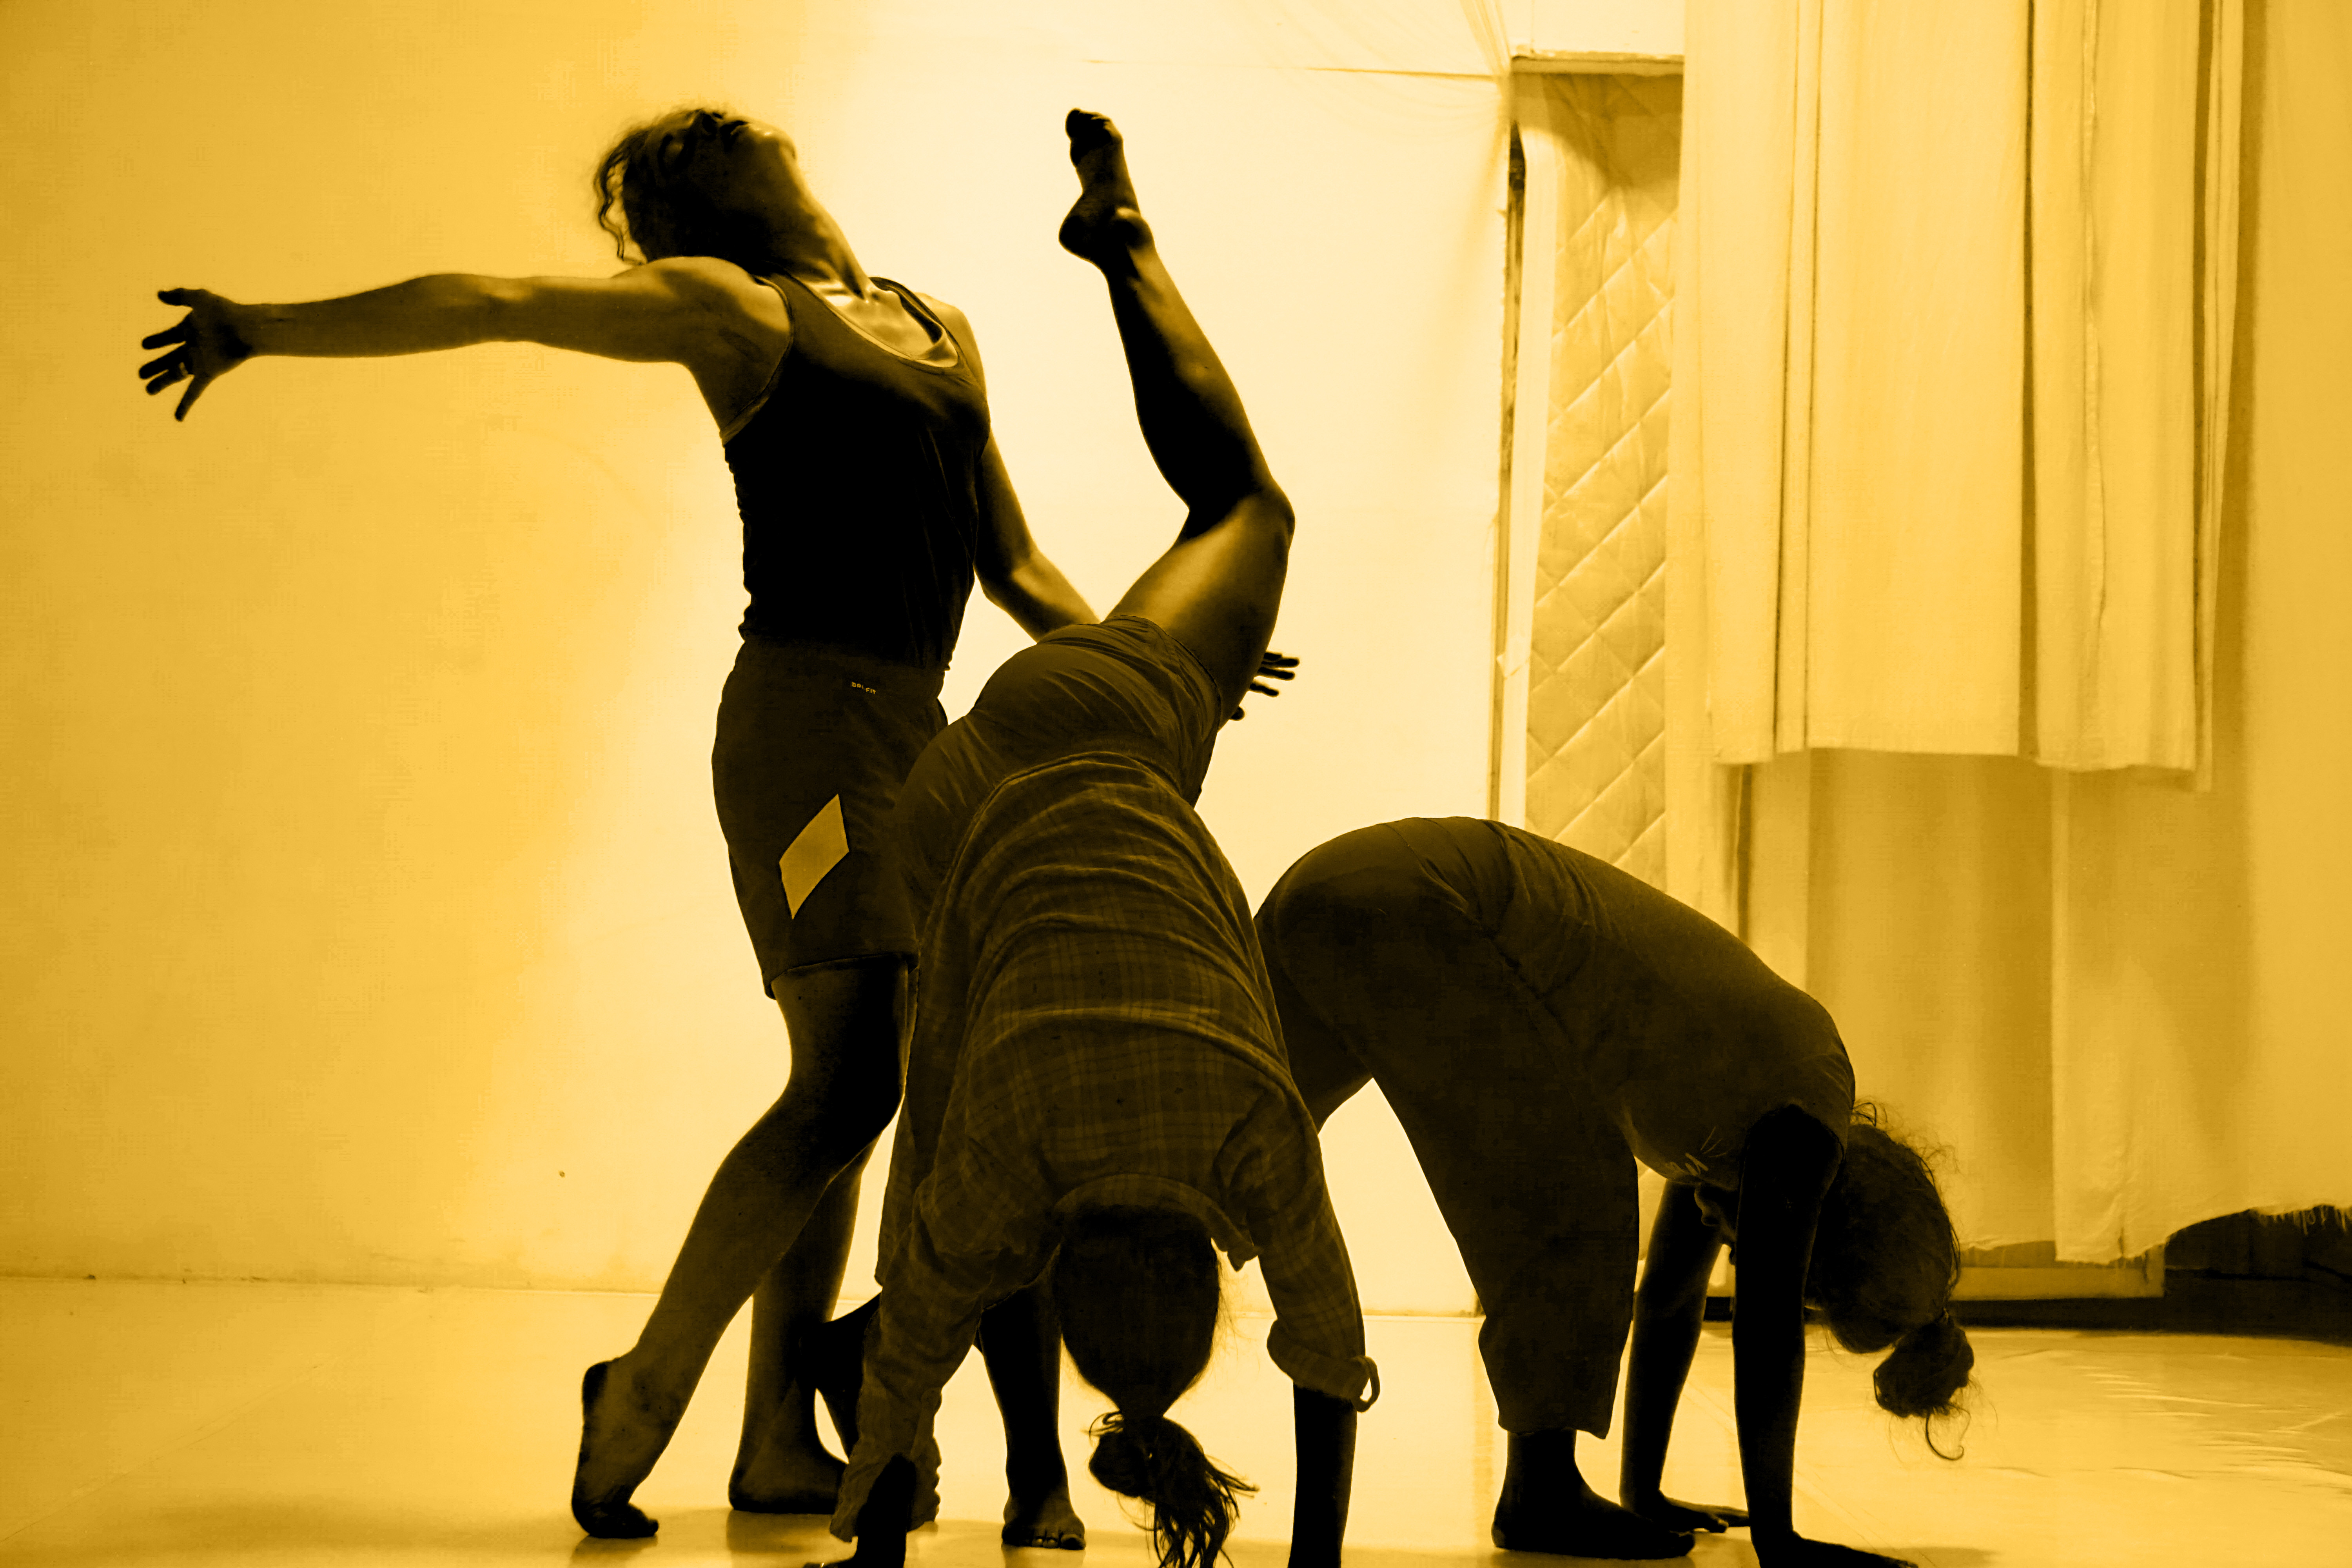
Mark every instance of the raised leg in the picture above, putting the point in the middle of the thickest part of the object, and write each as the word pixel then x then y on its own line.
pixel 846 1022
pixel 1020 1343
pixel 782 1465
pixel 1217 588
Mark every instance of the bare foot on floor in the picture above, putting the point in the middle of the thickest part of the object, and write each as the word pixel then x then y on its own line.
pixel 621 1435
pixel 1106 221
pixel 1582 1524
pixel 785 1477
pixel 789 1469
pixel 1047 1520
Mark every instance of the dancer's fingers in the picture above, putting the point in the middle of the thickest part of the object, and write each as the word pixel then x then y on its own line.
pixel 196 385
pixel 175 334
pixel 175 360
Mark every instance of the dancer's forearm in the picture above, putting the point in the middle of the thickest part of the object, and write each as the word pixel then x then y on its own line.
pixel 1038 597
pixel 1668 1308
pixel 443 311
pixel 690 310
pixel 1787 1166
pixel 1767 1388
pixel 1013 573
pixel 1666 1336
pixel 1326 1433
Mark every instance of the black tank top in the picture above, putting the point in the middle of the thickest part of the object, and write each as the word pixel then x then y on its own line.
pixel 857 478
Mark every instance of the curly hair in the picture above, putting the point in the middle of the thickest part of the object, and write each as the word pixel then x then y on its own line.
pixel 1884 1263
pixel 1137 1290
pixel 647 196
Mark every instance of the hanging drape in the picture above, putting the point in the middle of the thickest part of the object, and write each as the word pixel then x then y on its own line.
pixel 1955 295
pixel 1940 366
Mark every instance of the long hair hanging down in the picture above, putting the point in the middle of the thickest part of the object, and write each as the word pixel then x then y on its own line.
pixel 1137 1292
pixel 647 200
pixel 1885 1261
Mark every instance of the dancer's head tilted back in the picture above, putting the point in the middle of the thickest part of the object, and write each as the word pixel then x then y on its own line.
pixel 1885 1262
pixel 1137 1292
pixel 701 182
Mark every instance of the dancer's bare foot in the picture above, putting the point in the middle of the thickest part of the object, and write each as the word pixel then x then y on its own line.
pixel 1580 1522
pixel 789 1469
pixel 1045 1519
pixel 622 1433
pixel 1106 221
pixel 786 1476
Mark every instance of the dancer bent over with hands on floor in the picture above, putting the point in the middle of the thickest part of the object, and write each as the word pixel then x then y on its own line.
pixel 1096 1087
pixel 854 420
pixel 1539 1020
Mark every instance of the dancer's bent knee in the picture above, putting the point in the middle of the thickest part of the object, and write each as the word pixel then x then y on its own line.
pixel 1262 506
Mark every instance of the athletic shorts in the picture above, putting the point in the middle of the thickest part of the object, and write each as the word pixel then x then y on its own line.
pixel 814 743
pixel 1122 685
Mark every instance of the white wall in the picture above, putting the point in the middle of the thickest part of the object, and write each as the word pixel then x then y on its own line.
pixel 365 915
pixel 1596 27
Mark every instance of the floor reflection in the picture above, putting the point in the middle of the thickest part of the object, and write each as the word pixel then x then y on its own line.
pixel 161 1424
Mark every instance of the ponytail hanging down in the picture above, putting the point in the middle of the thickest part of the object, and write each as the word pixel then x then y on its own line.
pixel 1925 1373
pixel 1884 1263
pixel 1136 1289
pixel 1193 1502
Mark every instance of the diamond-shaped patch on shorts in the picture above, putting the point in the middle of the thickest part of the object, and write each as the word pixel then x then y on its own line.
pixel 818 849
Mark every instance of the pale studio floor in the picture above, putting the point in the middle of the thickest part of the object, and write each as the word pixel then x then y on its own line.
pixel 151 1424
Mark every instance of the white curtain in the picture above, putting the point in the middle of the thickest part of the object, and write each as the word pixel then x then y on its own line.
pixel 1955 293
pixel 1940 367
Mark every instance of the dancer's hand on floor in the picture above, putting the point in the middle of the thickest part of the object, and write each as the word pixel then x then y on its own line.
pixel 1790 1549
pixel 1271 666
pixel 205 346
pixel 883 1522
pixel 1694 1516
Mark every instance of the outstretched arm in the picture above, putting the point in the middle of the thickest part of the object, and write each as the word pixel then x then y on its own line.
pixel 1667 1310
pixel 690 310
pixel 1325 1430
pixel 1785 1170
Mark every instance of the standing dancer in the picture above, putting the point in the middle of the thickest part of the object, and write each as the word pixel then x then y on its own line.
pixel 1096 1085
pixel 1538 1020
pixel 854 417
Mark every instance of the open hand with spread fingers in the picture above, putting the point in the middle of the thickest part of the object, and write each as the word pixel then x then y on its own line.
pixel 1271 666
pixel 1690 1516
pixel 203 346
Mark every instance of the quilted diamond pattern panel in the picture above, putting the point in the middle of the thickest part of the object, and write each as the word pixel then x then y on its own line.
pixel 1596 698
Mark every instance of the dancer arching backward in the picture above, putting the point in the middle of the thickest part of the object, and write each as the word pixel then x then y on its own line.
pixel 853 417
pixel 1095 1083
pixel 1539 1020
